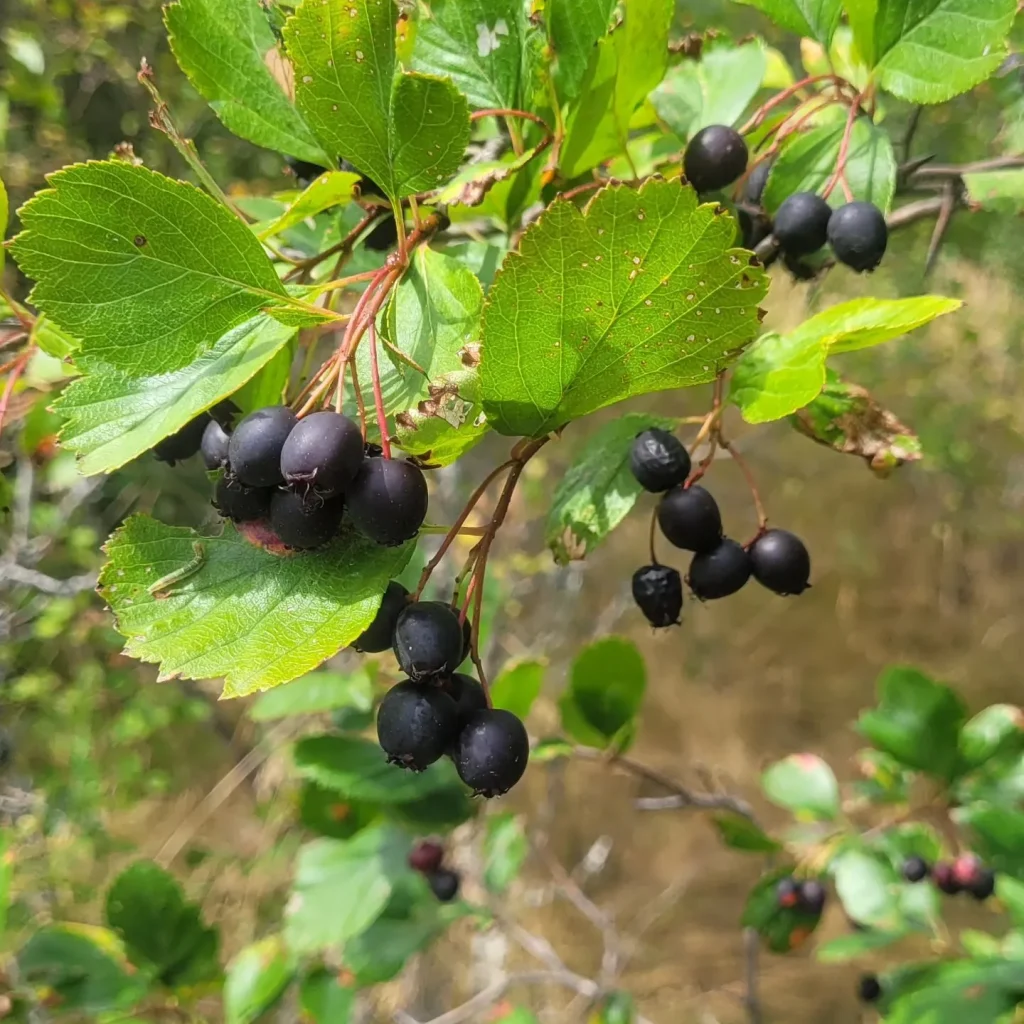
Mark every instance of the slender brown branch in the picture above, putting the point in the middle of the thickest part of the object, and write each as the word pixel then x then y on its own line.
pixel 752 999
pixel 941 226
pixel 343 246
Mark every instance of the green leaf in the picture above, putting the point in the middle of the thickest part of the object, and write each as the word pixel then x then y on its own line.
pixel 782 928
pixel 255 618
pixel 868 888
pixel 575 26
pixel 1010 892
pixel 605 691
pixel 716 89
pixel 917 721
pixel 505 849
pixel 327 813
pixel 1001 191
pixel 51 339
pixel 270 385
pixel 162 932
pixel 342 886
pixel 256 979
pixel 598 490
pixel 553 748
pixel 959 992
pixel 408 133
pixel 642 293
pixel 996 730
pixel 616 1008
pixel 998 836
pixel 444 808
pixel 741 833
pixel 324 999
pixel 623 69
pixel 862 323
pixel 929 51
pixel 317 692
pixel 809 159
pixel 844 948
pixel 5 213
pixel 518 687
pixel 804 784
pixel 333 188
pixel 6 877
pixel 225 47
pixel 815 18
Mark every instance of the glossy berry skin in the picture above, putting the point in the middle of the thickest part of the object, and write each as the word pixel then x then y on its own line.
pixel 215 446
pixel 379 634
pixel 942 875
pixel 689 519
pixel 720 572
pixel 241 504
pixel 658 460
pixel 858 235
pixel 491 752
pixel 915 869
pixel 254 450
pixel 426 856
pixel 184 444
pixel 812 897
pixel 753 190
pixel 780 562
pixel 322 454
pixel 444 883
pixel 302 526
pixel 428 640
pixel 801 223
pixel 787 893
pixel 983 885
pixel 387 501
pixel 467 639
pixel 416 724
pixel 658 592
pixel 468 695
pixel 715 157
pixel 869 989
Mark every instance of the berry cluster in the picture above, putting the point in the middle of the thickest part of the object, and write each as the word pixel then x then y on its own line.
pixel 427 857
pixel 857 232
pixel 804 895
pixel 965 874
pixel 690 519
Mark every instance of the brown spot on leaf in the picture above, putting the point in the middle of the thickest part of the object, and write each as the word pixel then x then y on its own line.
pixel 140 241
pixel 469 355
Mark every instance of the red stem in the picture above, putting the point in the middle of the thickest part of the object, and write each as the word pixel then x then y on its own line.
pixel 12 380
pixel 360 402
pixel 781 97
pixel 378 397
pixel 844 153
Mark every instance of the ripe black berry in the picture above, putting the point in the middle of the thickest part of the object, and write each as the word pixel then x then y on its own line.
pixel 715 157
pixel 239 503
pixel 215 446
pixel 322 454
pixel 812 897
pixel 383 235
pixel 184 444
pixel 689 519
pixel 468 695
pixel 300 525
pixel 658 592
pixel 944 878
pixel 983 884
pixel 426 856
pixel 869 988
pixel 387 501
pixel 858 235
pixel 787 893
pixel 428 640
pixel 416 724
pixel 254 450
pixel 780 562
pixel 445 884
pixel 380 634
pixel 658 460
pixel 753 190
pixel 801 223
pixel 304 170
pixel 467 639
pixel 719 572
pixel 915 869
pixel 491 752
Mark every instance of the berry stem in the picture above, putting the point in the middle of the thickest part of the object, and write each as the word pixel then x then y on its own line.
pixel 360 401
pixel 781 97
pixel 396 206
pixel 839 175
pixel 25 318
pixel 762 517
pixel 650 536
pixel 510 112
pixel 378 397
pixel 343 247
pixel 12 379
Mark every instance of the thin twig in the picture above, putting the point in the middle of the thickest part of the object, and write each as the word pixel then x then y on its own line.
pixel 908 135
pixel 752 1000
pixel 945 217
pixel 11 572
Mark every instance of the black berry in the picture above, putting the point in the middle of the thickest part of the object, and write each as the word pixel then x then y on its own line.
pixel 304 170
pixel 780 562
pixel 240 503
pixel 380 634
pixel 720 572
pixel 322 454
pixel 468 695
pixel 658 592
pixel 303 526
pixel 945 880
pixel 915 869
pixel 491 752
pixel 800 270
pixel 753 190
pixel 184 444
pixel 983 884
pixel 869 988
pixel 689 519
pixel 387 501
pixel 428 640
pixel 383 235
pixel 715 157
pixel 787 893
pixel 658 460
pixel 467 639
pixel 254 450
pixel 416 724
pixel 444 883
pixel 858 235
pixel 801 223
pixel 426 856
pixel 215 446
pixel 812 897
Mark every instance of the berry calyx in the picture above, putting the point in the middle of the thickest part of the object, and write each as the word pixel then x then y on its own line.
pixel 858 235
pixel 869 988
pixel 239 503
pixel 322 454
pixel 658 592
pixel 426 856
pixel 387 501
pixel 944 879
pixel 254 450
pixel 915 869
pixel 298 525
pixel 801 223
pixel 658 460
pixel 184 444
pixel 780 562
pixel 689 518
pixel 416 725
pixel 812 897
pixel 444 883
pixel 427 640
pixel 787 893
pixel 720 572
pixel 715 157
pixel 214 446
pixel 379 634
pixel 468 695
pixel 491 752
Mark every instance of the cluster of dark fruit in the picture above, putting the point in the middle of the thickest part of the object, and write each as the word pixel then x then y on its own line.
pixel 427 857
pixel 804 895
pixel 965 874
pixel 717 156
pixel 690 519
pixel 438 710
pixel 303 476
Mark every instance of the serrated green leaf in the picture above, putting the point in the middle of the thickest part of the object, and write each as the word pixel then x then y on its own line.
pixel 256 979
pixel 324 999
pixel 575 26
pixel 1002 191
pixel 958 992
pixel 598 490
pixel 868 888
pixel 815 18
pixel 505 848
pixel 998 836
pixel 326 813
pixel 997 730
pixel 229 618
pixel 333 188
pixel 51 339
pixel 641 293
pixel 861 323
pixel 803 783
pixel 844 948
pixel 473 185
pixel 1010 892
pixel 225 48
pixel 929 51
pixel 741 833
pixel 408 133
pixel 518 687
pixel 317 692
